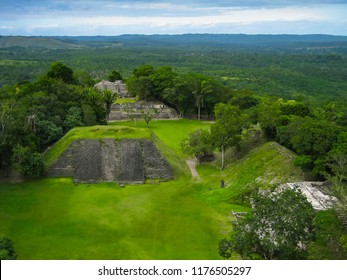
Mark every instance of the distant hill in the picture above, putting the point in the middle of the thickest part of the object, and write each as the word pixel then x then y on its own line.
pixel 213 40
pixel 35 42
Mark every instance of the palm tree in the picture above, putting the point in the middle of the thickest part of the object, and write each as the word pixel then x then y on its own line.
pixel 108 97
pixel 200 89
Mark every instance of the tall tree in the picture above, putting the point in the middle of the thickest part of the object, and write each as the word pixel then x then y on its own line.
pixel 226 131
pixel 200 90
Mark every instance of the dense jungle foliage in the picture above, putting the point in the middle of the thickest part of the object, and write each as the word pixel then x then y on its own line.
pixel 294 86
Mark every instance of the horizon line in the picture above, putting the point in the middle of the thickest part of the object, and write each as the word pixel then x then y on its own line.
pixel 180 34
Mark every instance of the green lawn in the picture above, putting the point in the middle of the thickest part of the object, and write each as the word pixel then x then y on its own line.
pixel 56 219
pixel 180 219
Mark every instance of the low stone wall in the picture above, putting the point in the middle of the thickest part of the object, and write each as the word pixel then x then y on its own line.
pixel 111 160
pixel 135 110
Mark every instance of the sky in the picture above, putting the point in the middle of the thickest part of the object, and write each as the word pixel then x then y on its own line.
pixel 113 17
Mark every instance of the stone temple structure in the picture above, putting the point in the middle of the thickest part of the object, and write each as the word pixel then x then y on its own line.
pixel 313 192
pixel 117 86
pixel 112 160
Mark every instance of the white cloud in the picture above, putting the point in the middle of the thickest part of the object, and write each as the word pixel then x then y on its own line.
pixel 109 17
pixel 227 17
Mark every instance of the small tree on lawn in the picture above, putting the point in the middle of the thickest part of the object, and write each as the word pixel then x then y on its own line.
pixel 197 144
pixel 147 116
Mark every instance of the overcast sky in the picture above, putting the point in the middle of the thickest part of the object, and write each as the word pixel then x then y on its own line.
pixel 112 17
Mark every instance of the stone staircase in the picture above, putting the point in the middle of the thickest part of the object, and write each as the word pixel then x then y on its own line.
pixel 342 217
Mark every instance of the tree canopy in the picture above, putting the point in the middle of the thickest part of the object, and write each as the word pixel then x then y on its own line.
pixel 281 227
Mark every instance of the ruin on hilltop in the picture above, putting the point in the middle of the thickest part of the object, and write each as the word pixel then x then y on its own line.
pixel 117 86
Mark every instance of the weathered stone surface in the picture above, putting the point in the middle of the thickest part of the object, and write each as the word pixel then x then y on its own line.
pixel 110 160
pixel 131 161
pixel 155 165
pixel 157 109
pixel 313 193
pixel 116 87
pixel 110 164
pixel 88 161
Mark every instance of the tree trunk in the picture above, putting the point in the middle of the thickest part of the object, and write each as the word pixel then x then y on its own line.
pixel 199 112
pixel 222 167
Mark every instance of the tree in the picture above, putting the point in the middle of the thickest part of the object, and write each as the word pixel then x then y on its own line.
pixel 7 251
pixel 197 144
pixel 114 76
pixel 179 96
pixel 108 97
pixel 89 117
pixel 143 71
pixel 73 118
pixel 162 79
pixel 6 108
pixel 336 159
pixel 144 85
pixel 147 116
pixel 281 227
pixel 94 100
pixel 27 162
pixel 48 132
pixel 226 131
pixel 60 71
pixel 311 137
pixel 199 90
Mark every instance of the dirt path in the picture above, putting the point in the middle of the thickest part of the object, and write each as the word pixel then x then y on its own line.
pixel 192 166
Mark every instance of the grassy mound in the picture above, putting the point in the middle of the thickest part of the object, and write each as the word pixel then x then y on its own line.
pixel 266 165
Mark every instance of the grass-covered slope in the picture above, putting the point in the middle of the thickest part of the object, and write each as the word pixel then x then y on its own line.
pixel 267 165
pixel 180 219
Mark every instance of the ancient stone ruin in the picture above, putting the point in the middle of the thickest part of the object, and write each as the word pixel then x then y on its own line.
pixel 112 160
pixel 313 192
pixel 117 87
pixel 157 109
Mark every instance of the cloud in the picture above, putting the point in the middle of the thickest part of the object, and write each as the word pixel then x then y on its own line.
pixel 106 17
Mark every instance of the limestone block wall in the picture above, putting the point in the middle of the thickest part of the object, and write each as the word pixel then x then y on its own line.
pixel 112 160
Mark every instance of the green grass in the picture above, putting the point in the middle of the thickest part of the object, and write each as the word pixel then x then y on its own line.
pixel 54 219
pixel 125 100
pixel 180 219
pixel 267 165
pixel 94 132
pixel 171 132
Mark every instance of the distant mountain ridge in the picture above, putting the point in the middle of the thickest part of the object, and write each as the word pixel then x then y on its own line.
pixel 35 42
pixel 72 42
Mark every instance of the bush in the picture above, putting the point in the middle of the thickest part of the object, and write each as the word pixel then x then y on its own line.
pixel 7 251
pixel 28 163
